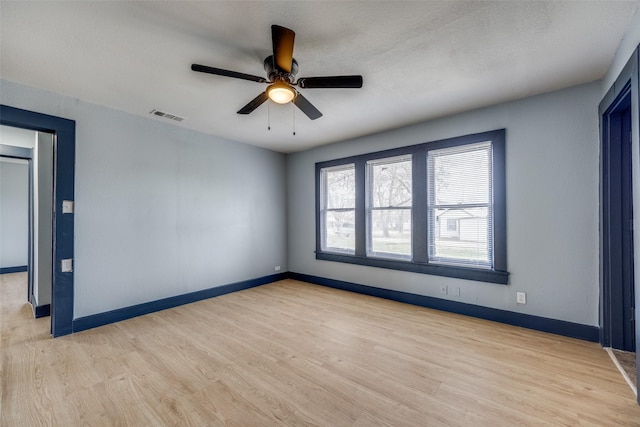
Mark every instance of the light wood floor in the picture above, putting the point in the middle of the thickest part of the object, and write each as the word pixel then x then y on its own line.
pixel 291 353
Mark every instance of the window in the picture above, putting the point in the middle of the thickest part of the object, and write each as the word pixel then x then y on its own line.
pixel 389 207
pixel 338 200
pixel 459 189
pixel 434 208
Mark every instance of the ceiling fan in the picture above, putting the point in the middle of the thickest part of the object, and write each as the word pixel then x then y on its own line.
pixel 281 70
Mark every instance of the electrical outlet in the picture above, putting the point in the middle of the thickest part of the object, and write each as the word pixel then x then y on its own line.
pixel 443 289
pixel 277 268
pixel 521 297
pixel 456 292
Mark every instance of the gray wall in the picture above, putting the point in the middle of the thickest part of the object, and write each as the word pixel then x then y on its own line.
pixel 160 210
pixel 14 213
pixel 552 205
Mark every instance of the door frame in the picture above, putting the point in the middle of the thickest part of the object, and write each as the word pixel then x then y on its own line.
pixel 615 164
pixel 64 140
pixel 625 87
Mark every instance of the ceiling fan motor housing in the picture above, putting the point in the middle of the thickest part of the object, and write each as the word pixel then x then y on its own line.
pixel 274 74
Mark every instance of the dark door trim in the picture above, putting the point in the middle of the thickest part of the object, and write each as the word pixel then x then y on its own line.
pixel 616 241
pixel 623 94
pixel 64 131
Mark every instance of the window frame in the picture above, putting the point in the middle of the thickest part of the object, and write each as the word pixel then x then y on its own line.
pixel 420 262
pixel 370 208
pixel 325 210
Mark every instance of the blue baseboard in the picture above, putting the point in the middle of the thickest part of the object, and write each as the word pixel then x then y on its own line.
pixel 42 310
pixel 18 269
pixel 559 327
pixel 39 310
pixel 101 319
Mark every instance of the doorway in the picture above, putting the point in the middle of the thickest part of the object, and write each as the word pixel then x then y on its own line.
pixel 618 325
pixel 63 131
pixel 617 205
pixel 26 205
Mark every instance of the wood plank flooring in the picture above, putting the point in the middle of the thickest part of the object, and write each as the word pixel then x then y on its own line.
pixel 292 353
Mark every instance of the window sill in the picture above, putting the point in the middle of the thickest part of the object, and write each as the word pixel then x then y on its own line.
pixel 467 273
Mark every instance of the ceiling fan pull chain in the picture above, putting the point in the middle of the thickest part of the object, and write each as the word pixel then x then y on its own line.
pixel 293 110
pixel 268 116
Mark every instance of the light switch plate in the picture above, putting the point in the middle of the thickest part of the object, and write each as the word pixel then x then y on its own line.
pixel 67 206
pixel 67 265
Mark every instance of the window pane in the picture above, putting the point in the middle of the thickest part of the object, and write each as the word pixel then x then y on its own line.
pixel 340 187
pixel 461 236
pixel 390 182
pixel 461 175
pixel 390 232
pixel 339 231
pixel 460 205
pixel 338 201
pixel 388 187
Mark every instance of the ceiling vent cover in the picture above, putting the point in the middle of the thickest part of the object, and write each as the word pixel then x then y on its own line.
pixel 166 115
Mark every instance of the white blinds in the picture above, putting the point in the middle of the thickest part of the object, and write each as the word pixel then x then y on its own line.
pixel 460 205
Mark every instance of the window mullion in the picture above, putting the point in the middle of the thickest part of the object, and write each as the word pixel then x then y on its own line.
pixel 419 213
pixel 360 213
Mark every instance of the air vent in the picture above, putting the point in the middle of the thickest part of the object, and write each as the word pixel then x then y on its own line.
pixel 166 115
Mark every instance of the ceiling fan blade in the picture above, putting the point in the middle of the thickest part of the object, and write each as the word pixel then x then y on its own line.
pixel 255 103
pixel 330 82
pixel 282 47
pixel 227 73
pixel 307 107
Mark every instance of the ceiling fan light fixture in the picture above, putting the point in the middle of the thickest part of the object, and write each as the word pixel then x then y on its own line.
pixel 281 93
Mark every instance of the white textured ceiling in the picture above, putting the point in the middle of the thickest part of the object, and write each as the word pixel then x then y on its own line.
pixel 419 60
